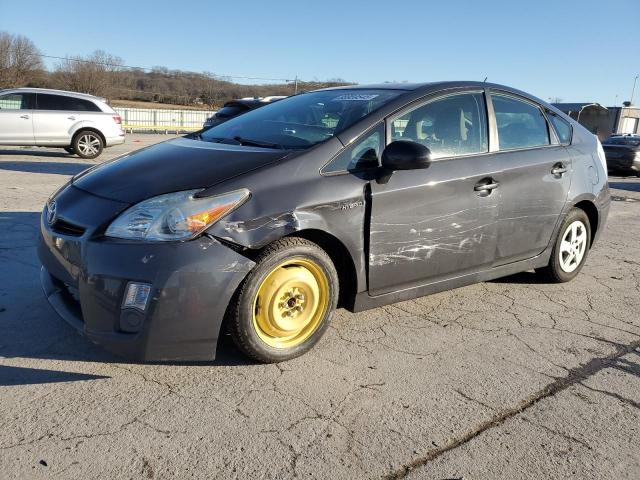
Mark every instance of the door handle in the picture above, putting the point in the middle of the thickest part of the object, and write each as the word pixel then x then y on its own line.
pixel 558 170
pixel 26 117
pixel 71 117
pixel 481 187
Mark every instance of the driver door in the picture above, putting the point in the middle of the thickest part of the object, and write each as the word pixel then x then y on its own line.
pixel 432 224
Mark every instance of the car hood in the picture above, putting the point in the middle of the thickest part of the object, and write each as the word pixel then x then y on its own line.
pixel 175 165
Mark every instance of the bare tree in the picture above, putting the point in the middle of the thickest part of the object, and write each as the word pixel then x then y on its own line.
pixel 20 62
pixel 97 74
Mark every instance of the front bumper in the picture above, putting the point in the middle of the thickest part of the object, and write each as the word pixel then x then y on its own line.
pixel 85 279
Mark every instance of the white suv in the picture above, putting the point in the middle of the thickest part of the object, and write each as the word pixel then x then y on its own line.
pixel 80 123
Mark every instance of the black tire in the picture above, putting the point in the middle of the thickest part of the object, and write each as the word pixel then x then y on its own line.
pixel 87 144
pixel 70 150
pixel 241 323
pixel 554 272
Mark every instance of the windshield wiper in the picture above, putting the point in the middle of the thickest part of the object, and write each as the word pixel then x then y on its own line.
pixel 256 143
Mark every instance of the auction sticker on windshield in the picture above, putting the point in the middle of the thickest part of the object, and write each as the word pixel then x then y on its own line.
pixel 354 97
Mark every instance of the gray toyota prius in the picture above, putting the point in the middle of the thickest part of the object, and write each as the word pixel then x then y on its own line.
pixel 357 197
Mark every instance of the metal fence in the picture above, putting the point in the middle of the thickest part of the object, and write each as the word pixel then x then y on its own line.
pixel 159 120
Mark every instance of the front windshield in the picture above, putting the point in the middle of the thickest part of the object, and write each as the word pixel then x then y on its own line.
pixel 300 121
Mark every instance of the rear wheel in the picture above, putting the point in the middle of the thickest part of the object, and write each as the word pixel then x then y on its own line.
pixel 571 248
pixel 284 305
pixel 87 144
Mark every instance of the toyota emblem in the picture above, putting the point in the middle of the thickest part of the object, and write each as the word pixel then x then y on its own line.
pixel 52 213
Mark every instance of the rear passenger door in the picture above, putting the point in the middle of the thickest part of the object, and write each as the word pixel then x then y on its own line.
pixel 535 175
pixel 16 119
pixel 57 116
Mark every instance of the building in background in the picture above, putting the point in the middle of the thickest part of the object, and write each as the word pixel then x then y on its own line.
pixel 604 121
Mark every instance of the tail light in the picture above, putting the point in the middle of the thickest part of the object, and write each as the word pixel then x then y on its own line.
pixel 602 157
pixel 117 119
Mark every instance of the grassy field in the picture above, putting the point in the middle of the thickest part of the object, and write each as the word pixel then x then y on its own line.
pixel 165 106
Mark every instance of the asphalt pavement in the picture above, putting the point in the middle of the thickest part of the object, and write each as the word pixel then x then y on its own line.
pixel 513 379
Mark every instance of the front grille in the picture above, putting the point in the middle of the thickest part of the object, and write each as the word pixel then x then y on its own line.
pixel 66 228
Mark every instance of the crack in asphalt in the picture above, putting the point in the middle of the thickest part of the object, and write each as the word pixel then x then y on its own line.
pixel 533 315
pixel 575 376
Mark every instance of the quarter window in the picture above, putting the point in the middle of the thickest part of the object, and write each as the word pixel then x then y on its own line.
pixel 520 124
pixel 364 153
pixel 450 126
pixel 69 104
pixel 562 127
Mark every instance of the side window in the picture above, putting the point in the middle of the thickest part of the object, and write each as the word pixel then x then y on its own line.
pixel 15 101
pixel 562 127
pixel 60 102
pixel 50 102
pixel 364 153
pixel 85 106
pixel 520 124
pixel 450 126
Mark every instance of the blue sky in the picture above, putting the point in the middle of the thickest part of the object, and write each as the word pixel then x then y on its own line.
pixel 577 50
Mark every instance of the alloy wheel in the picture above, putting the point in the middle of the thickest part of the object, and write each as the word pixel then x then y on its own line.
pixel 88 144
pixel 572 246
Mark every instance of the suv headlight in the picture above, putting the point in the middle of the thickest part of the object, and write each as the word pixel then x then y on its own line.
pixel 174 216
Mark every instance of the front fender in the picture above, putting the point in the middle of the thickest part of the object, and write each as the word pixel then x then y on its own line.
pixel 339 210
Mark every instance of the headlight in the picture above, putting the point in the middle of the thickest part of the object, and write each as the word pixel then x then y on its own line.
pixel 174 216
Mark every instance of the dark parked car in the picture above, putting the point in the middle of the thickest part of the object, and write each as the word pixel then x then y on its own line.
pixel 353 197
pixel 234 108
pixel 623 153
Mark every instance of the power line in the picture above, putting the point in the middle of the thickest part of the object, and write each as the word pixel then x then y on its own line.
pixel 151 69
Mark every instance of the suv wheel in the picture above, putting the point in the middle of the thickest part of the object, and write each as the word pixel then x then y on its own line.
pixel 87 144
pixel 283 307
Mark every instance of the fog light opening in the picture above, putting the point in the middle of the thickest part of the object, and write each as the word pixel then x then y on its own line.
pixel 137 296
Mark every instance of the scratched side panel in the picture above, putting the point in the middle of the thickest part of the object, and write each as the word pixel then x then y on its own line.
pixel 532 200
pixel 428 225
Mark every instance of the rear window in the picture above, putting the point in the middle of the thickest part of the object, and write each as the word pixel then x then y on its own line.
pixel 230 111
pixel 70 104
pixel 630 141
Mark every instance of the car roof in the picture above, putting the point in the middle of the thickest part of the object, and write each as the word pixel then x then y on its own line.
pixel 66 93
pixel 412 86
pixel 430 86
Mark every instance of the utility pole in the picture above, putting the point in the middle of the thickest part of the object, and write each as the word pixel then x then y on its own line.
pixel 633 90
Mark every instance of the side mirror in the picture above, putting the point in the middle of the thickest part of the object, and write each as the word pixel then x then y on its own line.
pixel 405 155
